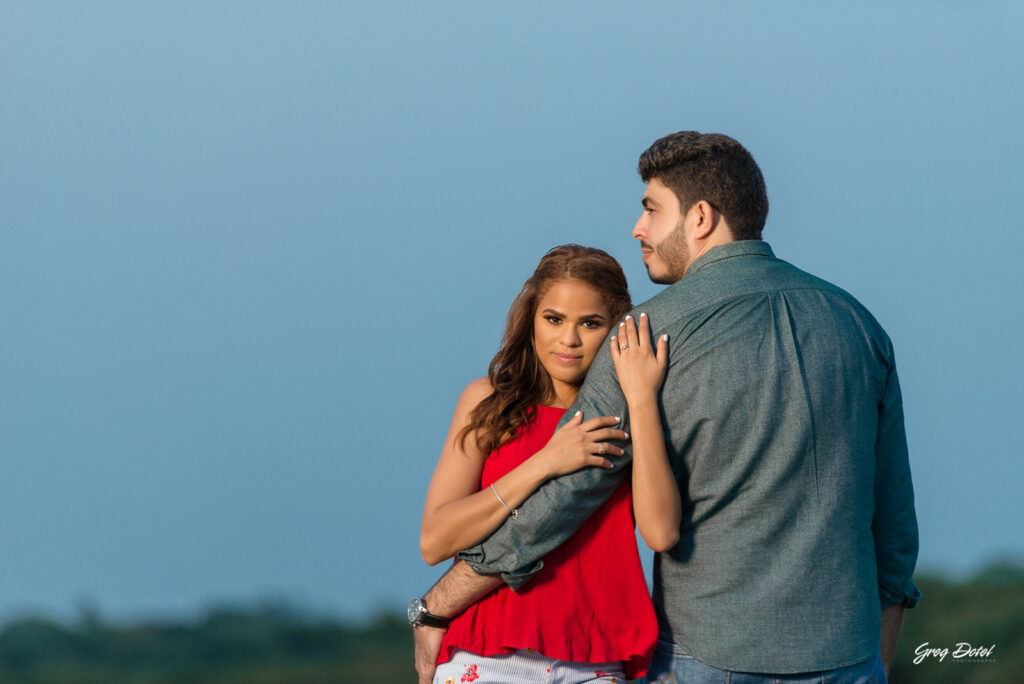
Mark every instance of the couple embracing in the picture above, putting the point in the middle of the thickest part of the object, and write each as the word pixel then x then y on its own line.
pixel 748 419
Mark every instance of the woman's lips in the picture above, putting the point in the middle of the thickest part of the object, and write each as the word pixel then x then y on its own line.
pixel 568 358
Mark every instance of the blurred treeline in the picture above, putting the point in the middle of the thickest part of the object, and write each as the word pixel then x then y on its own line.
pixel 985 610
pixel 270 644
pixel 274 644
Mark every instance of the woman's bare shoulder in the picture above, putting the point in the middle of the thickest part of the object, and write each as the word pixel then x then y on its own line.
pixel 476 391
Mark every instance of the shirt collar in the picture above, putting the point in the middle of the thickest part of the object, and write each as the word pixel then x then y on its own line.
pixel 729 250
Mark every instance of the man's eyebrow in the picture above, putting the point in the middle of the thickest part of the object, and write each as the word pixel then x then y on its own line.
pixel 648 200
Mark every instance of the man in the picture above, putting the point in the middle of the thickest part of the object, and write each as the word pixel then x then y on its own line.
pixel 784 424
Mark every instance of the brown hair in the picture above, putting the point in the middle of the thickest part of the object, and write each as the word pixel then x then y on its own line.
pixel 711 167
pixel 517 377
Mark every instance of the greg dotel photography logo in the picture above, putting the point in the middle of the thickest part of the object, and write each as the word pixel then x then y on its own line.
pixel 961 652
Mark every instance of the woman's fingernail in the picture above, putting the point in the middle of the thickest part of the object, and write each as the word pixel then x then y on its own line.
pixel 577 413
pixel 643 315
pixel 665 337
pixel 627 436
pixel 622 324
pixel 617 419
pixel 628 317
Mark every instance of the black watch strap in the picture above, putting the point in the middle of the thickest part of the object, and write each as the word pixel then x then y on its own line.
pixel 431 620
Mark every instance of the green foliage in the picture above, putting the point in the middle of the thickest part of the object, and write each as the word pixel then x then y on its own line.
pixel 274 644
pixel 987 610
pixel 267 645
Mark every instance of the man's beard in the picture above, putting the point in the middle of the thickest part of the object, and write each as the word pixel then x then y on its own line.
pixel 675 254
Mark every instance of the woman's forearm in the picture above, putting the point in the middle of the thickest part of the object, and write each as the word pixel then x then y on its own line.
pixel 656 500
pixel 469 520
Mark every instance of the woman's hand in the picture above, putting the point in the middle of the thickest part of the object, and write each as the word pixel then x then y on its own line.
pixel 639 365
pixel 577 444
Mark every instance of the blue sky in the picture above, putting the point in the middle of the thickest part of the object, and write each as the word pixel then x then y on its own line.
pixel 250 253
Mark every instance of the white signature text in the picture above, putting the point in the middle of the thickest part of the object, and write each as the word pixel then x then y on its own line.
pixel 962 650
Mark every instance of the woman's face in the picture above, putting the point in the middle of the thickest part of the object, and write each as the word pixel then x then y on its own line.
pixel 569 327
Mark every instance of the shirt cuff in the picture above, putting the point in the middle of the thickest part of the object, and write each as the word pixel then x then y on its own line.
pixel 909 595
pixel 516 579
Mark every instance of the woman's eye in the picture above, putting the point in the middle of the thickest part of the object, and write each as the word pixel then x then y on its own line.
pixel 553 320
pixel 591 325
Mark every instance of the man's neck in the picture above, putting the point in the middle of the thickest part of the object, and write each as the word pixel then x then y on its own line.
pixel 715 240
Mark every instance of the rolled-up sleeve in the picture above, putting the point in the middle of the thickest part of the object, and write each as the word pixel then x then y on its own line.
pixel 895 523
pixel 560 506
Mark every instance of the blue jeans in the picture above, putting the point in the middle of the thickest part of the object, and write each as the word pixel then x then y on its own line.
pixel 672 665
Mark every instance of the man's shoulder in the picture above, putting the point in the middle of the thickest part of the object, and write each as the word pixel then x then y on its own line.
pixel 736 279
pixel 833 294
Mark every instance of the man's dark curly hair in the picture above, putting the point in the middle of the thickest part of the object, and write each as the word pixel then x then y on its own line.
pixel 714 168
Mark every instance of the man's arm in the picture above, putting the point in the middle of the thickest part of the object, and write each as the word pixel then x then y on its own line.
pixel 892 623
pixel 557 509
pixel 457 589
pixel 895 524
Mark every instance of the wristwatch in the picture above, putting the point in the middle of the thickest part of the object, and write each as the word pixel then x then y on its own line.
pixel 418 615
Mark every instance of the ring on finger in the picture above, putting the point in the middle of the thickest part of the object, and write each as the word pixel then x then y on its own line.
pixel 623 347
pixel 603 449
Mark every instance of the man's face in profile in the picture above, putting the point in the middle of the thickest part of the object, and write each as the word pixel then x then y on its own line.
pixel 661 233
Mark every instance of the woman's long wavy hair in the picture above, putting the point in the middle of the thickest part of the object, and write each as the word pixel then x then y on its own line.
pixel 517 377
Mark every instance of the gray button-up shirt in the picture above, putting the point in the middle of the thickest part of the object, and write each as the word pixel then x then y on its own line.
pixel 784 426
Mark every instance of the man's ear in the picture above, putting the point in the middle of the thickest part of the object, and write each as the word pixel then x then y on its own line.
pixel 706 220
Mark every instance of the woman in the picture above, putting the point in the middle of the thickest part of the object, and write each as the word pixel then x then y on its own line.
pixel 587 611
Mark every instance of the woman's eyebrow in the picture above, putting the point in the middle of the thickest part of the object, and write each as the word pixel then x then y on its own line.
pixel 588 317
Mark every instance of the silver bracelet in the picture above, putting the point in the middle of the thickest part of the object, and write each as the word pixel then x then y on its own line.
pixel 513 511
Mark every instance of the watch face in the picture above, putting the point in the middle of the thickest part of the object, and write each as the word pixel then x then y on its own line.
pixel 415 608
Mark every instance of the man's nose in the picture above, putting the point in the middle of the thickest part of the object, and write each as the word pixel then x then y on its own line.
pixel 639 229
